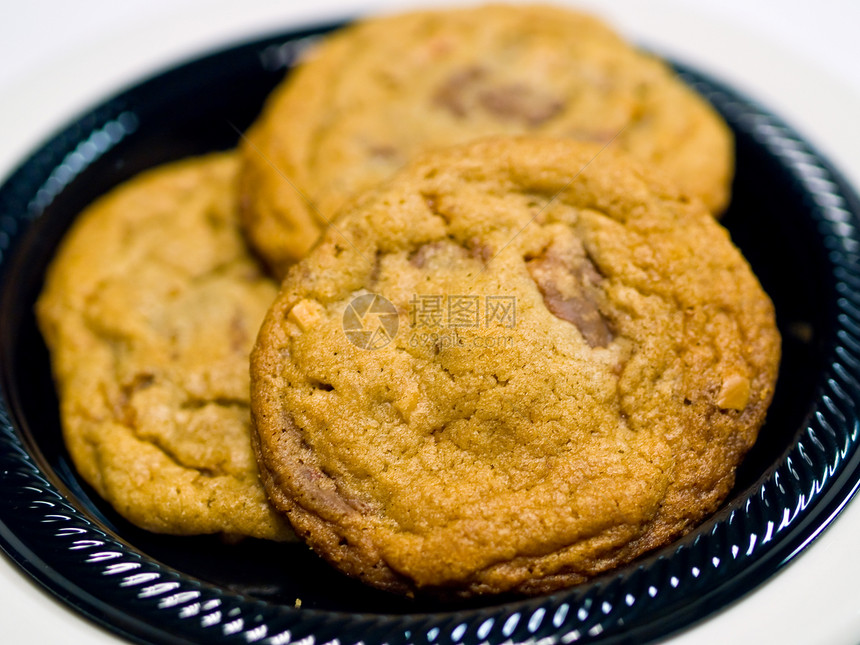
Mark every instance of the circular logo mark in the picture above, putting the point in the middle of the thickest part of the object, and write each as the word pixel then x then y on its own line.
pixel 370 321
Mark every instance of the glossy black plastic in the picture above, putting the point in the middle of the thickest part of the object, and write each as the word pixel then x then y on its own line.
pixel 792 214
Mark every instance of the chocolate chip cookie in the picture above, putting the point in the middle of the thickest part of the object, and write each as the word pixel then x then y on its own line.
pixel 369 97
pixel 150 310
pixel 562 361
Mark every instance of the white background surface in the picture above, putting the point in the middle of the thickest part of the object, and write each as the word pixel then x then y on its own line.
pixel 800 58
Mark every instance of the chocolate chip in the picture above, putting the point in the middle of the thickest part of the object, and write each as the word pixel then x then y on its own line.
pixel 434 205
pixel 569 283
pixel 384 151
pixel 453 94
pixel 432 202
pixel 581 312
pixel 471 88
pixel 123 408
pixel 480 251
pixel 420 256
pixel 519 102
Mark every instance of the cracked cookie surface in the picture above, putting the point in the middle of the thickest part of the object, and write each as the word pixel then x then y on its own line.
pixel 369 97
pixel 150 310
pixel 601 417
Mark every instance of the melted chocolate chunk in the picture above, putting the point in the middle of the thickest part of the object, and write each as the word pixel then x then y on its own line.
pixel 470 89
pixel 569 283
pixel 519 102
pixel 453 95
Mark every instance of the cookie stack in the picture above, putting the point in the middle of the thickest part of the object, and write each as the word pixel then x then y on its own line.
pixel 512 347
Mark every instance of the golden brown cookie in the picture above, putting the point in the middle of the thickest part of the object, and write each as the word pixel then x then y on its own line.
pixel 370 96
pixel 517 364
pixel 150 310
